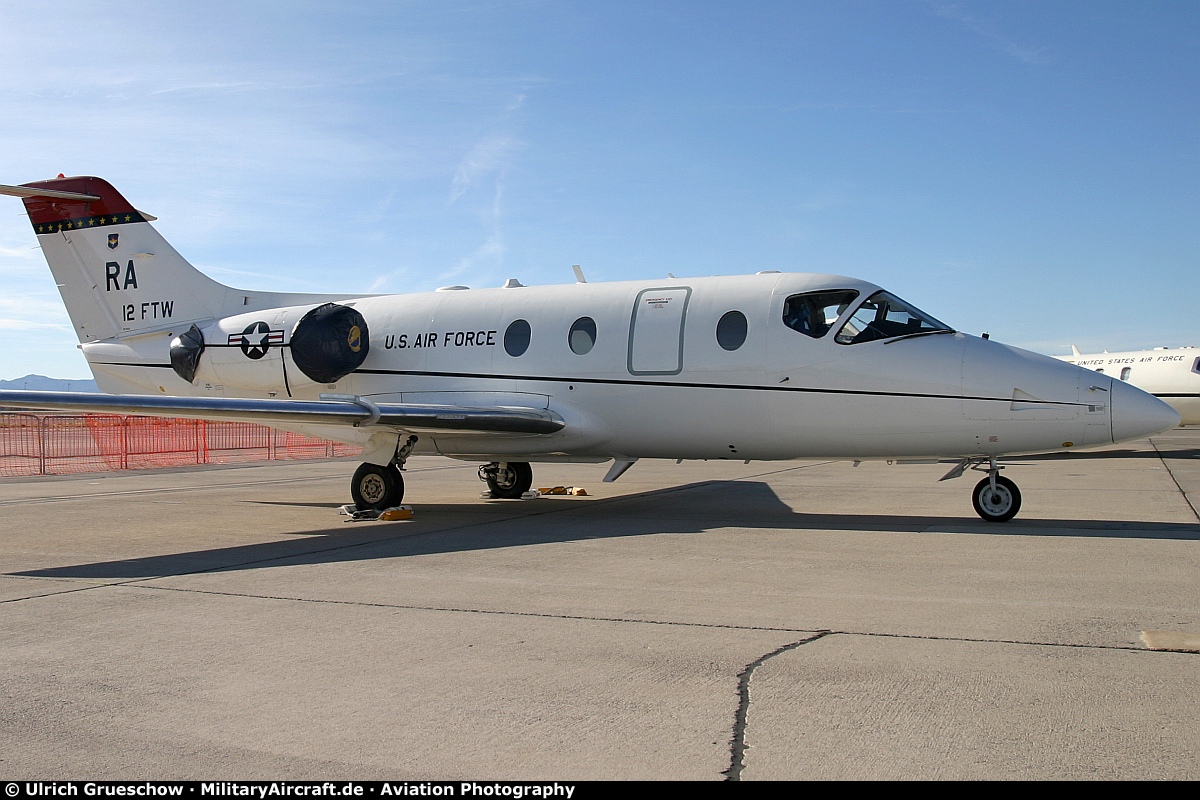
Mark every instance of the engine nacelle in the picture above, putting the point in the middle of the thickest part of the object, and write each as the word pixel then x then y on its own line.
pixel 274 350
pixel 329 342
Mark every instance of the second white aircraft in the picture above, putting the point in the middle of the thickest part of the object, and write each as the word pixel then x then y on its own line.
pixel 1171 374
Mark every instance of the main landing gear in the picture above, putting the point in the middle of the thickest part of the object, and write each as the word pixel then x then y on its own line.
pixel 376 487
pixel 507 480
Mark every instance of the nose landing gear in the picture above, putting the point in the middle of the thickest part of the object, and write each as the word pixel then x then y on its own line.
pixel 996 499
pixel 507 480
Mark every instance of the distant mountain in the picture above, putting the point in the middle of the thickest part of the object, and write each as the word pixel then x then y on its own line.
pixel 40 383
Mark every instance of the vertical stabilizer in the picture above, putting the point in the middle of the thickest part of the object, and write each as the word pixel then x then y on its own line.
pixel 116 273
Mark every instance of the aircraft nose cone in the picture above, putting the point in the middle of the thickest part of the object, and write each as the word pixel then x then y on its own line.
pixel 1136 413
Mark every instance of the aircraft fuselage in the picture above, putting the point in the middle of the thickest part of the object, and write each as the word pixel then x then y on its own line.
pixel 656 381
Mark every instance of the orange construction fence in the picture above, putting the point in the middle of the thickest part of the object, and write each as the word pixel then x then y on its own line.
pixel 58 444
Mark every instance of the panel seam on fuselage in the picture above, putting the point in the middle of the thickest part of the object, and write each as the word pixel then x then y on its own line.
pixel 673 384
pixel 697 385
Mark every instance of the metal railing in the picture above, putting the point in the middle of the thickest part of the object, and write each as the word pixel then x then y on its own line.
pixel 60 444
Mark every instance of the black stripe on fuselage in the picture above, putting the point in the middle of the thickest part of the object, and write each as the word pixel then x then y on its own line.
pixel 673 384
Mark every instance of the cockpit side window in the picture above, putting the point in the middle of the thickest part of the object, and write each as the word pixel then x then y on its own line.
pixel 884 316
pixel 813 314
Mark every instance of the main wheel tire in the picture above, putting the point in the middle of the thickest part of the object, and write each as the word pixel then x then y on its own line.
pixel 510 479
pixel 999 506
pixel 376 487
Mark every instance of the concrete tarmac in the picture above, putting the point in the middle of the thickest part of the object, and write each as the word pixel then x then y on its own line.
pixel 704 621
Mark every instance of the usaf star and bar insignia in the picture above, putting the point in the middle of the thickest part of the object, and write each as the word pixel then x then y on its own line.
pixel 256 340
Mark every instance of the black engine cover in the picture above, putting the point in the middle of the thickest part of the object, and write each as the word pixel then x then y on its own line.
pixel 329 342
pixel 186 349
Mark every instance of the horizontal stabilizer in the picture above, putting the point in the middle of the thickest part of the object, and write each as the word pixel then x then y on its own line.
pixel 53 194
pixel 403 416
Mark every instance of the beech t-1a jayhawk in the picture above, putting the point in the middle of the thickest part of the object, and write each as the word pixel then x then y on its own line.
pixel 769 366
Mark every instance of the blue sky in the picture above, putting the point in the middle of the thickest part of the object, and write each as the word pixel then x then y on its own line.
pixel 1030 169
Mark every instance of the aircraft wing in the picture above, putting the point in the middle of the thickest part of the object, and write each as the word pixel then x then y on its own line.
pixel 330 410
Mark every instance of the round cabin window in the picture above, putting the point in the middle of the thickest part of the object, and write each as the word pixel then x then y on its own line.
pixel 731 330
pixel 516 338
pixel 582 337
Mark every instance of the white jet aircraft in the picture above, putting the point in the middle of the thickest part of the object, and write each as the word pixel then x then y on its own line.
pixel 1171 374
pixel 770 366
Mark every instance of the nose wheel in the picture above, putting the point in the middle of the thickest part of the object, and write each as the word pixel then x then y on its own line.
pixel 375 487
pixel 996 499
pixel 507 480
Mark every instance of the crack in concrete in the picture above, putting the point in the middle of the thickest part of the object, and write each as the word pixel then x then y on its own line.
pixel 737 745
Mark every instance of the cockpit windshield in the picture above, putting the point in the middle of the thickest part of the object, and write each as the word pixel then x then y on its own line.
pixel 813 314
pixel 885 316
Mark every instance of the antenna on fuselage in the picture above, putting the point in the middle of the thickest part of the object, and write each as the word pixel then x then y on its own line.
pixel 578 274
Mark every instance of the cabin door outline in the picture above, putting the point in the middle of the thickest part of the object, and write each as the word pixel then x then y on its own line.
pixel 656 330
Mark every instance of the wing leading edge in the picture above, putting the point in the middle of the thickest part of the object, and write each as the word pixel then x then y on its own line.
pixel 336 410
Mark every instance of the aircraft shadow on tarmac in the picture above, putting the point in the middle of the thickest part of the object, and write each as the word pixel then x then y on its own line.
pixel 438 529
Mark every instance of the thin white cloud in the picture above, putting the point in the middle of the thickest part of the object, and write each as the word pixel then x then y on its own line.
pixel 277 281
pixel 214 86
pixel 826 201
pixel 487 258
pixel 29 325
pixel 21 261
pixel 516 103
pixel 489 156
pixel 384 282
pixel 30 306
pixel 381 282
pixel 1019 51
